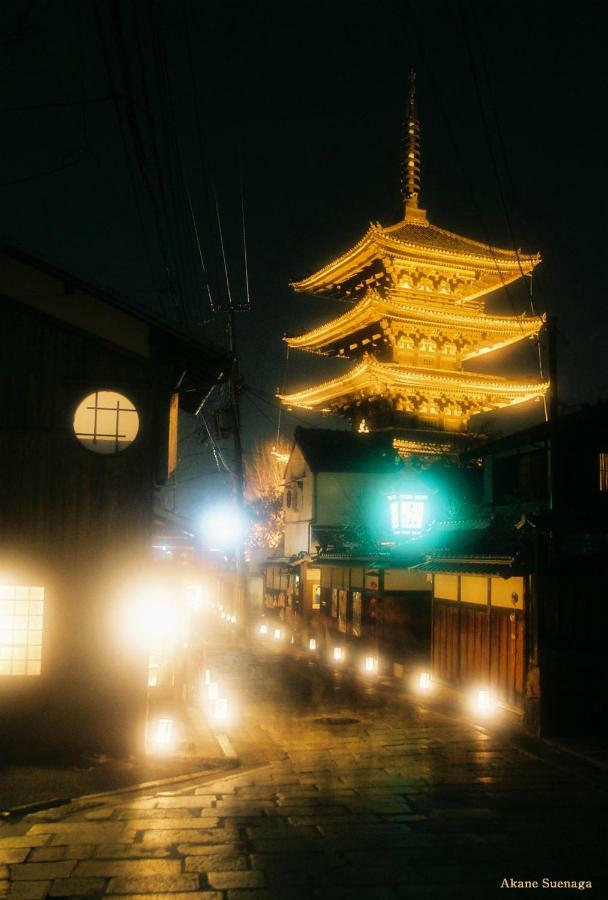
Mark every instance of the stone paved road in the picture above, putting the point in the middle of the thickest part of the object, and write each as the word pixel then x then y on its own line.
pixel 405 803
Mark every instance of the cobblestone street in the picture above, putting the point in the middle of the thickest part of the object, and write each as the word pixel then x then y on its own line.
pixel 404 801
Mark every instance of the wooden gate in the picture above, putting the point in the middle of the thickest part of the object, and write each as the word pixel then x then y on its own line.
pixel 476 644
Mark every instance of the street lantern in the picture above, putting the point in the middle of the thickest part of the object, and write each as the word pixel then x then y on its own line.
pixel 408 513
pixel 338 654
pixel 484 701
pixel 221 709
pixel 424 682
pixel 163 733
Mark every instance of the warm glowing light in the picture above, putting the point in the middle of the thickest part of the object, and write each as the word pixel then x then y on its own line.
pixel 233 619
pixel 277 634
pixel 207 676
pixel 106 422
pixel 153 668
pixel 424 682
pixel 220 712
pixel 213 690
pixel 371 664
pixel 484 702
pixel 21 613
pixel 194 598
pixel 154 618
pixel 164 732
pixel 263 629
pixel 282 457
pixel 338 654
pixel 312 644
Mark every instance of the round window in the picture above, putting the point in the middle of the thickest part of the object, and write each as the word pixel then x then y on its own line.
pixel 106 422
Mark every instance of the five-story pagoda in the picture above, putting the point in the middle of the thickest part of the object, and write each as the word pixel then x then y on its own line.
pixel 417 314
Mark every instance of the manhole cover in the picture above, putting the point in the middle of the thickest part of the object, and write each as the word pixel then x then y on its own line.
pixel 336 720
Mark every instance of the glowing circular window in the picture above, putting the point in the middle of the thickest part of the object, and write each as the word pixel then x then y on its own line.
pixel 106 422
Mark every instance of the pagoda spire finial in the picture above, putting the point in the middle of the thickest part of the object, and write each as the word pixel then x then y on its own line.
pixel 411 163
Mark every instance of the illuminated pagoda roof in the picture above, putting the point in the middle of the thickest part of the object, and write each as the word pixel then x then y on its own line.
pixel 416 313
pixel 374 317
pixel 471 391
pixel 414 246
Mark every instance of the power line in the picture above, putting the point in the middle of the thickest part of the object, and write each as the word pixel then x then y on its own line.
pixel 488 134
pixel 61 104
pixel 245 249
pixel 200 137
pixel 493 158
pixel 219 226
pixel 42 174
pixel 108 65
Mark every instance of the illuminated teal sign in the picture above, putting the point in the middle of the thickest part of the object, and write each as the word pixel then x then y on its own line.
pixel 408 512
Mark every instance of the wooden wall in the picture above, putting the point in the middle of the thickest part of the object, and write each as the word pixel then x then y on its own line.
pixel 77 521
pixel 481 644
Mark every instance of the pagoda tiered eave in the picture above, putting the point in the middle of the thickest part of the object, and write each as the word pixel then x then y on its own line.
pixel 416 242
pixel 377 315
pixel 372 379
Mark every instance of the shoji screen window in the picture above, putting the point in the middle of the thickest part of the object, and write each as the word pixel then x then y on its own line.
pixel 21 615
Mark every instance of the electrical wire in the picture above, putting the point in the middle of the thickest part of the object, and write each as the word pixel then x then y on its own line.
pixel 492 154
pixel 42 174
pixel 245 250
pixel 219 226
pixel 200 137
pixel 123 137
pixel 200 252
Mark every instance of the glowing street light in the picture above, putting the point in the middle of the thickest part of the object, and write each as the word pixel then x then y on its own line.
pixel 163 734
pixel 263 629
pixel 222 526
pixel 312 644
pixel 277 634
pixel 371 664
pixel 424 682
pixel 338 654
pixel 484 701
pixel 233 620
pixel 220 712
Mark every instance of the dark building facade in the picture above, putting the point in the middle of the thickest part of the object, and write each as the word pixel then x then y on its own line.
pixel 518 595
pixel 88 431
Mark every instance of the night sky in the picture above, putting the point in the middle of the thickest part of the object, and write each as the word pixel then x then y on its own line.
pixel 119 115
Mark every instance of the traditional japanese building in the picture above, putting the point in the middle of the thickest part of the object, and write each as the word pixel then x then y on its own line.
pixel 416 314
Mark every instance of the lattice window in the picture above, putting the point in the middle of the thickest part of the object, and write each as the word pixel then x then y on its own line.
pixel 106 422
pixel 21 614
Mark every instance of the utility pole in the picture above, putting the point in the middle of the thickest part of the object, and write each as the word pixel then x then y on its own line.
pixel 238 475
pixel 553 411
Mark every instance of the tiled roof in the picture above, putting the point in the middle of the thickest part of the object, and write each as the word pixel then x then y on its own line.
pixel 427 235
pixel 497 566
